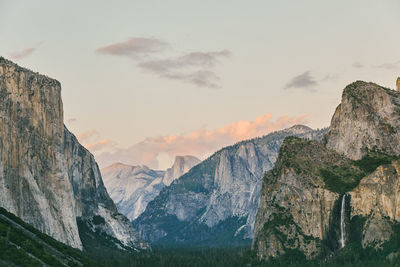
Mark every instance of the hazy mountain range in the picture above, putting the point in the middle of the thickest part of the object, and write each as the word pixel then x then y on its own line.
pixel 133 187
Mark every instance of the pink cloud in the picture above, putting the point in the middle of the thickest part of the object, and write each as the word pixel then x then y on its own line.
pixel 72 120
pixel 23 53
pixel 86 136
pixel 93 147
pixel 200 143
pixel 135 48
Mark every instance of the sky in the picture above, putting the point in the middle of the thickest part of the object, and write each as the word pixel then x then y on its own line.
pixel 144 81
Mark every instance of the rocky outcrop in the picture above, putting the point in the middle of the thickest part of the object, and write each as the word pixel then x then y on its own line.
pixel 377 198
pixel 319 197
pixel 297 201
pixel 46 177
pixel 215 203
pixel 133 187
pixel 368 118
pixel 182 165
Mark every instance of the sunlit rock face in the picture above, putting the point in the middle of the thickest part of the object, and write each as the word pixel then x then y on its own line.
pixel 398 84
pixel 216 202
pixel 368 118
pixel 133 187
pixel 46 177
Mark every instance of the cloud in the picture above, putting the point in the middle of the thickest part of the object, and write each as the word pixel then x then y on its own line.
pixel 96 146
pixel 71 120
pixel 193 67
pixel 389 66
pixel 303 81
pixel 135 48
pixel 23 53
pixel 358 65
pixel 86 136
pixel 16 55
pixel 199 143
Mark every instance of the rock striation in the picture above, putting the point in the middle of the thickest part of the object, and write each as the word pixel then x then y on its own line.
pixel 368 118
pixel 46 177
pixel 215 203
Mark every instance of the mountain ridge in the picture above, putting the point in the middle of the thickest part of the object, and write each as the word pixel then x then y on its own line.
pixel 132 187
pixel 217 198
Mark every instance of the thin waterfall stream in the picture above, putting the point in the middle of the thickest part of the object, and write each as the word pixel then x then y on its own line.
pixel 342 222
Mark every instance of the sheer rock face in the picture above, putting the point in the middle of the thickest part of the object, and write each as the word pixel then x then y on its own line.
pixel 378 197
pixel 46 177
pixel 181 166
pixel 133 187
pixel 368 118
pixel 216 202
pixel 295 207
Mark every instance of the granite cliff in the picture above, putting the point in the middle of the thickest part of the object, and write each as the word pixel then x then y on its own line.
pixel 321 197
pixel 366 119
pixel 46 177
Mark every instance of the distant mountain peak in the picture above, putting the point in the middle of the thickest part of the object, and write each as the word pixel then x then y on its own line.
pixel 132 187
pixel 116 166
pixel 299 128
pixel 216 201
pixel 182 164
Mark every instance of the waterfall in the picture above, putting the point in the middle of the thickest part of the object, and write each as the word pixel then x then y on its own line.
pixel 342 222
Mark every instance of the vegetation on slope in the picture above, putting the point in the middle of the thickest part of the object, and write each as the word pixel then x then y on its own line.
pixel 23 245
pixel 338 173
pixel 20 248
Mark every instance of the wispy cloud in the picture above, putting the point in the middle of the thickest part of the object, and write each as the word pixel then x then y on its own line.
pixel 136 48
pixel 302 81
pixel 96 146
pixel 23 53
pixel 194 67
pixel 358 65
pixel 71 120
pixel 389 66
pixel 199 143
pixel 87 136
pixel 16 55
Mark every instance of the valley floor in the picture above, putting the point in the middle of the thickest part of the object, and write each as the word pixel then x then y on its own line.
pixel 23 245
